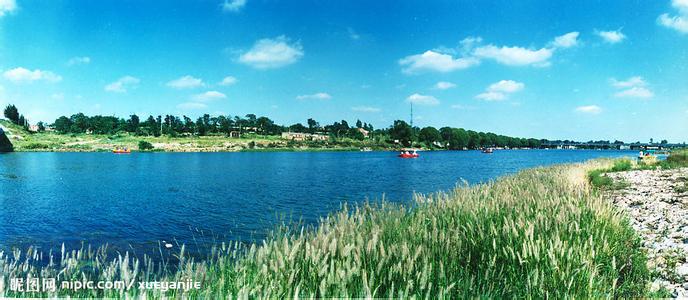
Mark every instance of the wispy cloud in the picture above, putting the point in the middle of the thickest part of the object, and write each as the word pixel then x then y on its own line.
pixel 122 84
pixel 567 40
pixel 444 85
pixel 635 92
pixel 233 5
pixel 422 99
pixel 589 109
pixel 677 22
pixel 435 61
pixel 366 109
pixel 612 36
pixel 209 96
pixel 186 82
pixel 79 60
pixel 200 101
pixel 7 6
pixel 229 80
pixel 20 75
pixel 316 96
pixel 634 87
pixel 515 56
pixel 272 53
pixel 500 90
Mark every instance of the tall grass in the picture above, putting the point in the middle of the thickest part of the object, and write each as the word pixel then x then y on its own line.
pixel 541 233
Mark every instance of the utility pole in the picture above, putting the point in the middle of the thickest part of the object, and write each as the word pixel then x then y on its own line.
pixel 411 114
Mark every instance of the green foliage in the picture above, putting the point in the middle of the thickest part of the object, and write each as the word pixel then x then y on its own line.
pixel 429 135
pixel 145 146
pixel 12 113
pixel 539 234
pixel 402 132
pixel 36 146
pixel 621 165
pixel 598 179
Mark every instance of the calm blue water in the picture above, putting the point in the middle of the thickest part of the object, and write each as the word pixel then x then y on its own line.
pixel 134 201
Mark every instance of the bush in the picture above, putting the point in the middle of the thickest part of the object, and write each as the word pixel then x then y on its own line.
pixel 621 165
pixel 145 146
pixel 36 146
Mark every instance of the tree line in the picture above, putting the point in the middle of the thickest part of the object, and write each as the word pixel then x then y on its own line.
pixel 399 133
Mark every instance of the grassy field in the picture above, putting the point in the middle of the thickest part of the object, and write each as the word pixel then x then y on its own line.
pixel 543 232
pixel 50 141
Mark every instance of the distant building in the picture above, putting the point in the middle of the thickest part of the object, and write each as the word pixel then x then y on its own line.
pixel 234 134
pixel 300 136
pixel 364 132
pixel 33 128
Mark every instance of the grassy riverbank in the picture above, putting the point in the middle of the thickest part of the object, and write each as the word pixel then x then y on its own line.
pixel 25 141
pixel 541 233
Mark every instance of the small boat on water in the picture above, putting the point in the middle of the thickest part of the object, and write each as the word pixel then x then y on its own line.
pixel 487 150
pixel 119 150
pixel 409 154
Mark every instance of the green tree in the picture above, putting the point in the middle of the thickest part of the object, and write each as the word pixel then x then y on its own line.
pixel 401 132
pixel 133 124
pixel 12 114
pixel 80 123
pixel 145 146
pixel 63 125
pixel 41 126
pixel 312 125
pixel 429 135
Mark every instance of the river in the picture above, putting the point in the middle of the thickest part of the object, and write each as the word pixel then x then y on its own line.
pixel 132 202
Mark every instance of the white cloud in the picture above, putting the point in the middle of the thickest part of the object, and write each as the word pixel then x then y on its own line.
pixel 367 109
pixel 515 56
pixel 272 53
pixel 444 85
pixel 633 87
pixel 589 109
pixel 233 5
pixel 678 23
pixel 500 90
pixel 316 96
pixel 209 96
pixel 122 84
pixel 567 40
pixel 83 60
pixel 422 99
pixel 435 61
pixel 612 36
pixel 192 106
pixel 630 82
pixel 186 82
pixel 635 92
pixel 24 75
pixel 506 86
pixel 7 6
pixel 491 96
pixel 229 80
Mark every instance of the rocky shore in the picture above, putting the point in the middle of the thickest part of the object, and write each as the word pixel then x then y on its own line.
pixel 656 202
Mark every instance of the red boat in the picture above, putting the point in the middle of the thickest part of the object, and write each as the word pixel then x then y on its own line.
pixel 407 154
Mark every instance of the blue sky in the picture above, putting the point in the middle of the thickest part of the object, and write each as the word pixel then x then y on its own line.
pixel 548 69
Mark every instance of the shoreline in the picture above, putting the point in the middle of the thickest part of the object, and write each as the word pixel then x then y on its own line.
pixel 512 215
pixel 656 203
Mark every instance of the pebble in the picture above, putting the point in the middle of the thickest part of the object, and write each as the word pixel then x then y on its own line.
pixel 659 214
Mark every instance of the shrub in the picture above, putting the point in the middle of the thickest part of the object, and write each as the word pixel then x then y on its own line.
pixel 145 146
